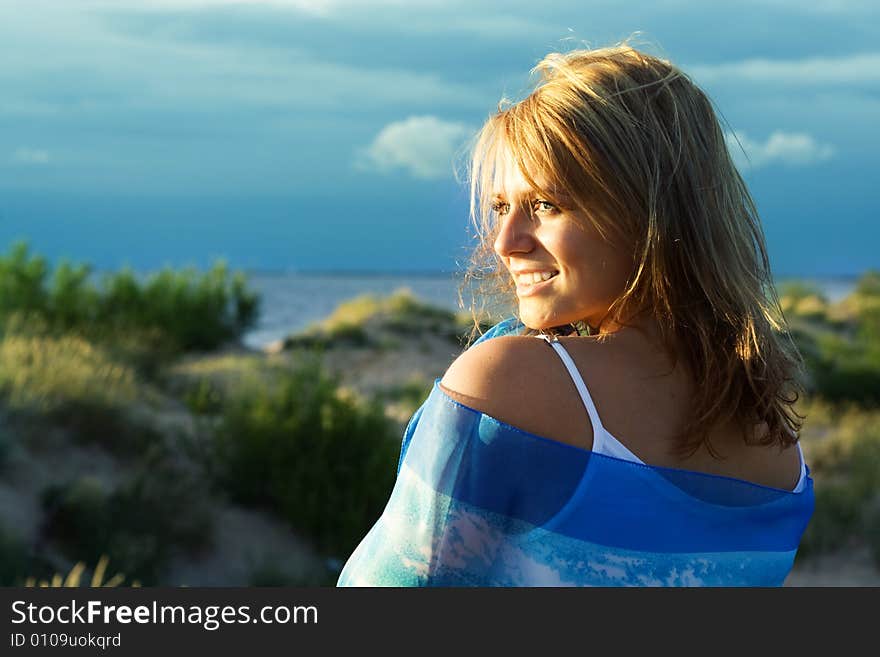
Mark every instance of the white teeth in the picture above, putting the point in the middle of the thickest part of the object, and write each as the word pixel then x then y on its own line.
pixel 535 277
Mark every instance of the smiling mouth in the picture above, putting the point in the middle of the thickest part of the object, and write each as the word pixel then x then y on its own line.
pixel 523 284
pixel 529 289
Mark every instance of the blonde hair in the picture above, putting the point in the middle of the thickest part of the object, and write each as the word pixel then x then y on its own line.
pixel 637 146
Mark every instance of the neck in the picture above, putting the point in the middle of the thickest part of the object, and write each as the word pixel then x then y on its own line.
pixel 644 323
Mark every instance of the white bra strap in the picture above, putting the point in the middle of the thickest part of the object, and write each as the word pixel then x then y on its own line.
pixel 803 466
pixel 580 385
pixel 801 457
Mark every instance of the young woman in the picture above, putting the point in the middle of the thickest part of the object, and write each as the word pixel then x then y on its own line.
pixel 647 437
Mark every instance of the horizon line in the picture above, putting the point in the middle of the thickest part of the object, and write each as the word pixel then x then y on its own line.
pixel 433 273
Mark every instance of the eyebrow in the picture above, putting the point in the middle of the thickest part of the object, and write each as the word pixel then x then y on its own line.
pixel 533 193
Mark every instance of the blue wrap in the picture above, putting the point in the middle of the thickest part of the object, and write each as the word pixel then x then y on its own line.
pixel 478 502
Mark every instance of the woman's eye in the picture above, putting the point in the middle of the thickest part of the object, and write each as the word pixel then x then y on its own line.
pixel 545 207
pixel 500 207
pixel 538 206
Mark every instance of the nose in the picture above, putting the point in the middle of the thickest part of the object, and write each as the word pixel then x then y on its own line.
pixel 514 232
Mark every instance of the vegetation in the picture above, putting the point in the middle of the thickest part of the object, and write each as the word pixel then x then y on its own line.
pixel 840 342
pixel 142 523
pixel 841 438
pixel 274 573
pixel 843 449
pixel 168 313
pixel 411 394
pixel 370 321
pixel 75 576
pixel 67 380
pixel 87 366
pixel 14 558
pixel 413 391
pixel 322 460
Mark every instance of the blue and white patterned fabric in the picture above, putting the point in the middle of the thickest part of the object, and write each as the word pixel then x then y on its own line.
pixel 478 502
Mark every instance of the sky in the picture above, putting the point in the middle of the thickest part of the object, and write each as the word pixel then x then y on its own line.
pixel 318 135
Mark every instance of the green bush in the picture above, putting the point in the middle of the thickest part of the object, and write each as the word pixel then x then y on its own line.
pixel 22 281
pixel 14 559
pixel 869 324
pixel 171 310
pixel 869 284
pixel 844 369
pixel 845 466
pixel 842 351
pixel 871 523
pixel 411 393
pixel 269 572
pixel 864 304
pixel 835 519
pixel 197 310
pixel 322 460
pixel 159 511
pixel 796 290
pixel 7 438
pixel 204 397
pixel 350 334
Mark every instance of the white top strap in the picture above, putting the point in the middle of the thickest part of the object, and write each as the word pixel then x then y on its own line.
pixel 803 480
pixel 604 442
pixel 598 429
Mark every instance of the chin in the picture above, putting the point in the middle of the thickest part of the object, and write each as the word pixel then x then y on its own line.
pixel 538 323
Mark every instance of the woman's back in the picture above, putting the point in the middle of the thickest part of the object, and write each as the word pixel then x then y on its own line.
pixel 640 398
pixel 479 501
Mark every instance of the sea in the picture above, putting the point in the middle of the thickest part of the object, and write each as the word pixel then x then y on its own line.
pixel 291 301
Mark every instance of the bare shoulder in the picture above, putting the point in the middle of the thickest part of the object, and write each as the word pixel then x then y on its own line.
pixel 520 381
pixel 515 379
pixel 484 371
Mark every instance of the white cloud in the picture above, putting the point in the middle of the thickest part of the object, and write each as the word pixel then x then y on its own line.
pixel 791 148
pixel 106 70
pixel 851 69
pixel 23 155
pixel 424 146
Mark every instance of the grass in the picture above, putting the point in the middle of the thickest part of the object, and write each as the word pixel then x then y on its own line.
pixel 322 460
pixel 841 341
pixel 410 394
pixel 68 381
pixel 162 510
pixel 75 575
pixel 40 373
pixel 371 321
pixel 272 572
pixel 841 443
pixel 14 558
pixel 841 436
pixel 204 383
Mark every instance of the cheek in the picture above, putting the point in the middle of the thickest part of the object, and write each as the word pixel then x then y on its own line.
pixel 596 268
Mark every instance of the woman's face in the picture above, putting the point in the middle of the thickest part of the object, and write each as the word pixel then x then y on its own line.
pixel 536 233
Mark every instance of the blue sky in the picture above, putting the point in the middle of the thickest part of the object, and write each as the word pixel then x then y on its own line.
pixel 320 134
